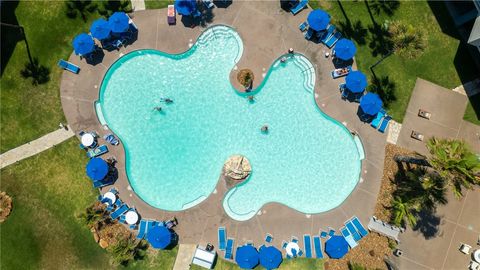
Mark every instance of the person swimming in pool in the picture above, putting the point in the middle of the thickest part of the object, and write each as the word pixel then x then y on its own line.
pixel 157 108
pixel 166 100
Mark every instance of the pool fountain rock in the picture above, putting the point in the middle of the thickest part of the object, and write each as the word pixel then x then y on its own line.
pixel 236 169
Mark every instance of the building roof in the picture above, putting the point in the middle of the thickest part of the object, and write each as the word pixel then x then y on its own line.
pixel 474 38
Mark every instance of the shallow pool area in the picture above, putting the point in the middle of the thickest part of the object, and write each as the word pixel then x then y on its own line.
pixel 307 161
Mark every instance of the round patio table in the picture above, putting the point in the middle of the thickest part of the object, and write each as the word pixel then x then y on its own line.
pixel 87 139
pixel 292 246
pixel 131 217
pixel 476 255
pixel 109 195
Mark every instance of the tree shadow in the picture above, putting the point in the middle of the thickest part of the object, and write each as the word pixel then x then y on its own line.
pixel 387 7
pixel 9 35
pixel 385 88
pixel 380 43
pixel 207 16
pixel 475 101
pixel 40 74
pixel 339 63
pixel 428 224
pixel 355 31
pixel 107 8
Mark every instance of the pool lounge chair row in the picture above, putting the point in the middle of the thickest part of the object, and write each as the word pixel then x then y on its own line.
pixel 353 231
pixel 382 120
pixel 299 7
pixel 224 244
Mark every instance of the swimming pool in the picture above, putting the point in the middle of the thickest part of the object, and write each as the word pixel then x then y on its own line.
pixel 174 157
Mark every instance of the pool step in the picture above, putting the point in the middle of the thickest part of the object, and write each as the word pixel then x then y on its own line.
pixel 221 31
pixel 308 70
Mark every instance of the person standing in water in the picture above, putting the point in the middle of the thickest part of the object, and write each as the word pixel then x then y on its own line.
pixel 157 108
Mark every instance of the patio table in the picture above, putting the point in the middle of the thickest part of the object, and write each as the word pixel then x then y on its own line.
pixel 476 255
pixel 109 195
pixel 87 139
pixel 131 217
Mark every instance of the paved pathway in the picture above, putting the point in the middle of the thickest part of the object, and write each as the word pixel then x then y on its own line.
pixel 138 5
pixel 34 147
pixel 184 256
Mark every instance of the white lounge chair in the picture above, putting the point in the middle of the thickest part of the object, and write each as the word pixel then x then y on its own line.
pixel 474 265
pixel 464 248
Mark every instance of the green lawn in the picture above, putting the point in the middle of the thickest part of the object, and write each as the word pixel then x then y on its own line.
pixel 296 264
pixel 444 62
pixel 28 111
pixel 48 191
pixel 154 4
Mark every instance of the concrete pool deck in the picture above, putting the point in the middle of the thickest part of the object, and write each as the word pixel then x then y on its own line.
pixel 265 39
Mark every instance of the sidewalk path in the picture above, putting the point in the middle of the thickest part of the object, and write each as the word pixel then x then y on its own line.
pixel 184 256
pixel 34 147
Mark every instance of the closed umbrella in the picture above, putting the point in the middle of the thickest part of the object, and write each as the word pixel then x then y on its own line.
pixel 270 257
pixel 336 247
pixel 97 169
pixel 159 237
pixel 247 257
pixel 371 104
pixel 83 44
pixel 345 49
pixel 100 29
pixel 318 19
pixel 185 7
pixel 356 81
pixel 118 22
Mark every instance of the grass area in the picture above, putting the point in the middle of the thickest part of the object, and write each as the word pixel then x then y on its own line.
pixel 28 111
pixel 472 113
pixel 48 191
pixel 445 61
pixel 155 4
pixel 296 264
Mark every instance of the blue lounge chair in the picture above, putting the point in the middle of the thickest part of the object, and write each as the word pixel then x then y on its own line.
pixel 110 207
pixel 384 124
pixel 300 253
pixel 317 244
pixel 309 34
pixel 114 190
pixel 331 232
pixel 378 118
pixel 328 33
pixel 68 66
pixel 208 4
pixel 142 231
pixel 348 237
pixel 111 139
pixel 105 182
pixel 122 219
pixel 296 9
pixel 229 249
pixel 303 26
pixel 268 238
pixel 323 234
pixel 307 243
pixel 361 230
pixel 102 149
pixel 333 39
pixel 345 94
pixel 118 202
pixel 336 74
pixel 353 231
pixel 124 208
pixel 284 245
pixel 221 238
pixel 294 239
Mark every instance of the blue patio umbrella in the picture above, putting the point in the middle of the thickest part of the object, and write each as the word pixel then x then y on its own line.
pixel 270 257
pixel 318 20
pixel 97 169
pixel 371 104
pixel 100 29
pixel 336 247
pixel 247 257
pixel 83 44
pixel 356 81
pixel 185 7
pixel 118 22
pixel 159 237
pixel 345 49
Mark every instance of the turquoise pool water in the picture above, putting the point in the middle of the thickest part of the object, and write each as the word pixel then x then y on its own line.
pixel 307 161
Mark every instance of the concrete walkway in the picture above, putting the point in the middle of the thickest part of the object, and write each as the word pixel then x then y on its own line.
pixel 34 147
pixel 138 5
pixel 184 256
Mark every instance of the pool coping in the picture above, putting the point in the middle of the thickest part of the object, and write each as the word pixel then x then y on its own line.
pixel 79 91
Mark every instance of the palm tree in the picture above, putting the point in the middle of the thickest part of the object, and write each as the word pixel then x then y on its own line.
pixel 127 249
pixel 452 160
pixel 402 210
pixel 407 40
pixel 455 162
pixel 80 7
pixel 93 216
